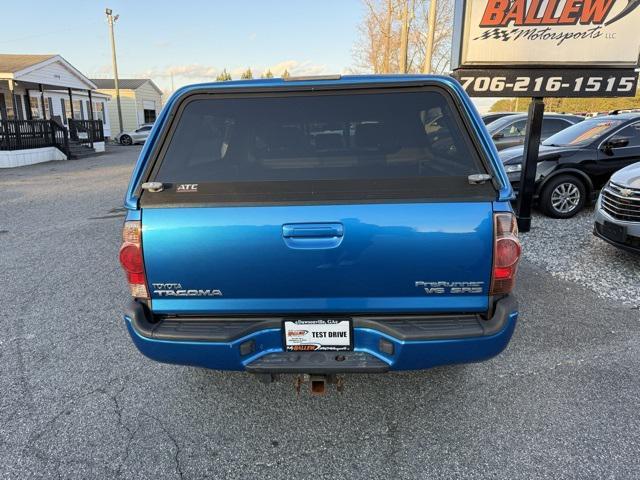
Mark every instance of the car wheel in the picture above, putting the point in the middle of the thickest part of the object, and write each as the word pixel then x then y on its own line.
pixel 563 197
pixel 126 140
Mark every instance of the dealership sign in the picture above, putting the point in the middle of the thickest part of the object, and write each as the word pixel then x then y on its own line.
pixel 547 47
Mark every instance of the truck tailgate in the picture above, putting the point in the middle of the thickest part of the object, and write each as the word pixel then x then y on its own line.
pixel 349 258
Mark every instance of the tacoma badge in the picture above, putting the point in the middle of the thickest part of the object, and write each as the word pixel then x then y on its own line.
pixel 176 290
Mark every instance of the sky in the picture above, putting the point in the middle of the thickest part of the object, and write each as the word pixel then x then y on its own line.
pixel 194 40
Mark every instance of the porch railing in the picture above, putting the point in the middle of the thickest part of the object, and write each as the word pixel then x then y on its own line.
pixel 86 131
pixel 24 134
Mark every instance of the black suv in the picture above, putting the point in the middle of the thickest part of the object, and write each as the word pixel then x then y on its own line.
pixel 509 131
pixel 488 118
pixel 574 164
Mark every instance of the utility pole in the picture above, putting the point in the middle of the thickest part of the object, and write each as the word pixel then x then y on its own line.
pixel 431 35
pixel 111 19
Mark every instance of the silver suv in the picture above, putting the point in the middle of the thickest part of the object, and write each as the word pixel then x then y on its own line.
pixel 618 210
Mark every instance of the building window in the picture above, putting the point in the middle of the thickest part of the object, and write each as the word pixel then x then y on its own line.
pixel 20 112
pixel 64 105
pixel 33 108
pixel 3 107
pixel 27 108
pixel 78 112
pixel 8 105
pixel 149 116
pixel 98 111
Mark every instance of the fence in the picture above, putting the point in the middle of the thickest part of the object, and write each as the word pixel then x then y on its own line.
pixel 86 131
pixel 25 134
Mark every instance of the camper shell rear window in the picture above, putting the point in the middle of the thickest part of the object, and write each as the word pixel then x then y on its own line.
pixel 318 146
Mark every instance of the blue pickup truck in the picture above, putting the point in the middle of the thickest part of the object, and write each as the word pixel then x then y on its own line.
pixel 320 226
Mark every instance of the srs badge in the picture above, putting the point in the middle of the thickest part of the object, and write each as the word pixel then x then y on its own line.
pixel 450 288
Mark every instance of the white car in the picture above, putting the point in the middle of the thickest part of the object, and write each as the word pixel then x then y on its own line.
pixel 618 210
pixel 138 135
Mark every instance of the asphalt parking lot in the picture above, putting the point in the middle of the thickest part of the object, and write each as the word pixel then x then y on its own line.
pixel 78 401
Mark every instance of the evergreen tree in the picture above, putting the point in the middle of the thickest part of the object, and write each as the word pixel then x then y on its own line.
pixel 247 74
pixel 286 73
pixel 570 105
pixel 224 76
pixel 267 74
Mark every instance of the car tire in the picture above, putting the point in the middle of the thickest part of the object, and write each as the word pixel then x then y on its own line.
pixel 563 197
pixel 126 140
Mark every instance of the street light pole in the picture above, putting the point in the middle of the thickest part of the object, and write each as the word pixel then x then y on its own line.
pixel 431 35
pixel 111 19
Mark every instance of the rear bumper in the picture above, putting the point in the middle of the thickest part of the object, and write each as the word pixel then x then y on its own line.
pixel 380 343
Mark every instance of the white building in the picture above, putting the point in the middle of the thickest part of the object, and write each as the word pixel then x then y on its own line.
pixel 140 101
pixel 48 111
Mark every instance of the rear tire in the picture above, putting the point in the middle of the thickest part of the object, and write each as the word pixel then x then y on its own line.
pixel 126 140
pixel 563 196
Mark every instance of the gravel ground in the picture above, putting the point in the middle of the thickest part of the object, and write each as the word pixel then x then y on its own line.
pixel 568 250
pixel 78 401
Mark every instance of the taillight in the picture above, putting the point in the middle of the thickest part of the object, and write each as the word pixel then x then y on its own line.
pixel 506 253
pixel 131 259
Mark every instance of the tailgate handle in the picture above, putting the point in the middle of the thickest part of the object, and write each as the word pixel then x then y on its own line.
pixel 312 230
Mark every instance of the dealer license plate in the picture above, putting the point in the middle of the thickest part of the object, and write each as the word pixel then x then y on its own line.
pixel 313 335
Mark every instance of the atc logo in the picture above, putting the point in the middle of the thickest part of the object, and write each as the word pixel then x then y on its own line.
pixel 520 13
pixel 187 188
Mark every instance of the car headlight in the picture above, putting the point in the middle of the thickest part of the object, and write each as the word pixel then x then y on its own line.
pixel 513 168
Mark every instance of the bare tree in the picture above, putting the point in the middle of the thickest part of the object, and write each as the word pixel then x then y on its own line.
pixel 394 34
pixel 431 36
pixel 388 22
pixel 377 46
pixel 404 36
